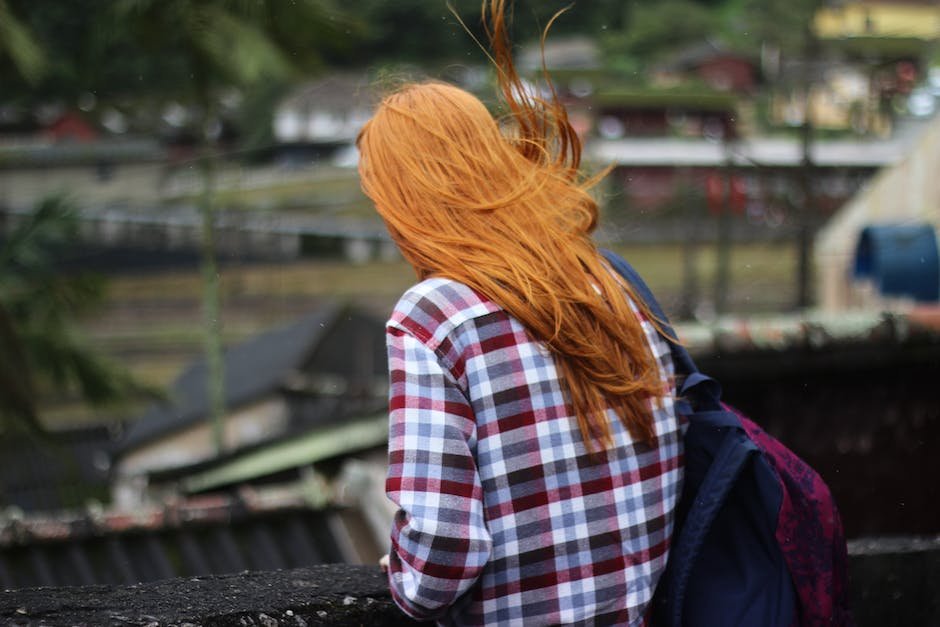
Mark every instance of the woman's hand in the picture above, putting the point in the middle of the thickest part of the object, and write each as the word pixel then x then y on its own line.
pixel 383 563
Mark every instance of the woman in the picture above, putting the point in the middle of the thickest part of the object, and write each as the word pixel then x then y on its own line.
pixel 534 451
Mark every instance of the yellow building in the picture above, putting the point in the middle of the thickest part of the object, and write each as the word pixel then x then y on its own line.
pixel 918 19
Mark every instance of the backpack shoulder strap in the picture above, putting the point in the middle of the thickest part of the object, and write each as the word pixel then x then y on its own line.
pixel 700 386
pixel 633 277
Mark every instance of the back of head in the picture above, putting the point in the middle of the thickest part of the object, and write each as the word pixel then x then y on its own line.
pixel 501 208
pixel 449 183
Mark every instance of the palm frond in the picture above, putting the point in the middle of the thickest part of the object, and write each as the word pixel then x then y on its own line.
pixel 237 47
pixel 39 343
pixel 20 46
pixel 17 392
pixel 71 363
pixel 34 238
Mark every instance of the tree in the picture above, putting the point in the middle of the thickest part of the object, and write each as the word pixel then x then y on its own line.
pixel 427 32
pixel 224 44
pixel 38 306
pixel 654 29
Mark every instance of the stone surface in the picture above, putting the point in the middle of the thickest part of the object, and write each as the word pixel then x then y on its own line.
pixel 893 582
pixel 324 595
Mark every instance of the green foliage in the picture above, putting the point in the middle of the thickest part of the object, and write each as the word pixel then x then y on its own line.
pixel 85 52
pixel 784 24
pixel 657 28
pixel 255 115
pixel 19 45
pixel 38 305
pixel 426 32
pixel 411 30
pixel 238 42
pixel 130 50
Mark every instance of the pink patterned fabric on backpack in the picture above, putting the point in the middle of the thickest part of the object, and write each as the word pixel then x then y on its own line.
pixel 809 533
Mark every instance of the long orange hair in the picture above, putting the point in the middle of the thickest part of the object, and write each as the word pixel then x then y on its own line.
pixel 508 214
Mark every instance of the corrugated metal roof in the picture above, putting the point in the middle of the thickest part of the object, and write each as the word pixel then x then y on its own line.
pixel 208 535
pixel 307 448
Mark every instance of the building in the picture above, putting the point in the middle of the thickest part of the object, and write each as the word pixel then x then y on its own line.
pixel 320 380
pixel 657 182
pixel 711 64
pixel 917 19
pixel 328 111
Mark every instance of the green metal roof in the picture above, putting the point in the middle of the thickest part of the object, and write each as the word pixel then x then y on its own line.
pixel 355 434
pixel 676 98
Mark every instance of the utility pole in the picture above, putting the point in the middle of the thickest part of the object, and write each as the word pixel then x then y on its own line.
pixel 723 252
pixel 692 210
pixel 211 300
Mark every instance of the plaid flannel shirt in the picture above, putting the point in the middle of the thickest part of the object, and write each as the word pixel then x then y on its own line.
pixel 504 518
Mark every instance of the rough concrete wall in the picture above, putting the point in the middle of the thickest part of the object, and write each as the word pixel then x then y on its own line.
pixel 906 192
pixel 865 417
pixel 892 582
pixel 895 582
pixel 323 595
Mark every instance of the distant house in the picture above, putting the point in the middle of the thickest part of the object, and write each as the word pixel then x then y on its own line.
pixel 564 53
pixel 709 63
pixel 326 111
pixel 918 19
pixel 320 382
pixel 680 111
pixel 878 52
pixel 665 176
pixel 70 151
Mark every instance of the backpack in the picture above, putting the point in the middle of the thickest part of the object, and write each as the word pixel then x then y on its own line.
pixel 757 540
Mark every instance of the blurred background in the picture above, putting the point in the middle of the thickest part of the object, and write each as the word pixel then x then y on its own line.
pixel 193 287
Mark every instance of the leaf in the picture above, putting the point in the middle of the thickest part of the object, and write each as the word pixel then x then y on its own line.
pixel 17 393
pixel 32 241
pixel 38 340
pixel 237 47
pixel 19 44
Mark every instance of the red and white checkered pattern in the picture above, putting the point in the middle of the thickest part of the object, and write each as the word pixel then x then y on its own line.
pixel 504 518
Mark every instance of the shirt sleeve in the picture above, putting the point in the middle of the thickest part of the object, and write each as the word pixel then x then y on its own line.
pixel 440 543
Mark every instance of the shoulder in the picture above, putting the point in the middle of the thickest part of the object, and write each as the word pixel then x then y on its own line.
pixel 434 308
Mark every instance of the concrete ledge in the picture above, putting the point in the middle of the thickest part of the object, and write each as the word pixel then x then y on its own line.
pixel 334 594
pixel 893 582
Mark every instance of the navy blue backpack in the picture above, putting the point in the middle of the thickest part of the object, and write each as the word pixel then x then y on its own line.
pixel 758 540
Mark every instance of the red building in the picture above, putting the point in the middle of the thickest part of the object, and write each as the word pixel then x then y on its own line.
pixel 712 64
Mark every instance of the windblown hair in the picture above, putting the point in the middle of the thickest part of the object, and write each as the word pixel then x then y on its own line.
pixel 507 213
